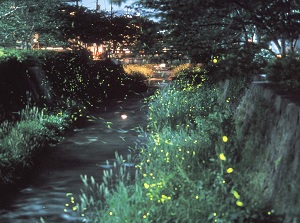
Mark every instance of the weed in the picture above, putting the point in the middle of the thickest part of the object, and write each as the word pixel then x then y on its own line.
pixel 187 171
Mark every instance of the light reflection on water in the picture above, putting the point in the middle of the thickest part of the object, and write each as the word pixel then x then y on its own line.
pixel 84 152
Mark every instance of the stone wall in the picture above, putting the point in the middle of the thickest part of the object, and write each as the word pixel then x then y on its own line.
pixel 268 132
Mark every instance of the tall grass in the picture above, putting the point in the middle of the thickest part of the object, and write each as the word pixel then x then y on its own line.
pixel 142 71
pixel 20 142
pixel 186 172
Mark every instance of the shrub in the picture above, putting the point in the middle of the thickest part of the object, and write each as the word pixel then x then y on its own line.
pixel 242 64
pixel 21 142
pixel 285 72
pixel 188 72
pixel 140 71
pixel 186 172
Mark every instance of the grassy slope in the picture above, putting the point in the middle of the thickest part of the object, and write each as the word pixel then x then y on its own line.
pixel 186 172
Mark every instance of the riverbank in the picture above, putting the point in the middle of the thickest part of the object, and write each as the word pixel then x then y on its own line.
pixel 52 104
pixel 189 169
pixel 114 127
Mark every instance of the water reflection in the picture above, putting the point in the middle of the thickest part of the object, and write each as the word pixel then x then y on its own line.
pixel 108 130
pixel 113 128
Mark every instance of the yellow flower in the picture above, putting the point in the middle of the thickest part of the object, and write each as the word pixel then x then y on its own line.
pixel 225 139
pixel 222 156
pixel 215 60
pixel 164 197
pixel 239 203
pixel 197 197
pixel 110 213
pixel 146 185
pixel 229 170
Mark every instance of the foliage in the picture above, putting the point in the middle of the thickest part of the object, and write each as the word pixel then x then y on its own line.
pixel 285 72
pixel 21 142
pixel 140 71
pixel 20 55
pixel 212 27
pixel 81 22
pixel 188 72
pixel 240 65
pixel 20 20
pixel 187 169
pixel 74 82
pixel 130 32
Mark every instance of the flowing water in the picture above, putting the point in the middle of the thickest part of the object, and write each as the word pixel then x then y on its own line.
pixel 114 128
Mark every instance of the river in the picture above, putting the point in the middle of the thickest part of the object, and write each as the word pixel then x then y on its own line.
pixel 113 128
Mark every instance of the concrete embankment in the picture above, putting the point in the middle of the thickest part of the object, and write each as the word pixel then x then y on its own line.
pixel 268 131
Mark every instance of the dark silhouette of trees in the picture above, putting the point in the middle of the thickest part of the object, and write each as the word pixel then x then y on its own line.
pixel 205 27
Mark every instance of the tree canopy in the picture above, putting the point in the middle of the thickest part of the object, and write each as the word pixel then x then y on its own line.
pixel 20 20
pixel 201 27
pixel 127 31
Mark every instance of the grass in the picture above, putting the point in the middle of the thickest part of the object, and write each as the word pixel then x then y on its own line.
pixel 186 172
pixel 22 141
pixel 143 72
pixel 77 83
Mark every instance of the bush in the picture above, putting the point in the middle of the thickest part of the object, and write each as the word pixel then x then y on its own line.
pixel 187 170
pixel 285 72
pixel 189 72
pixel 242 64
pixel 21 142
pixel 142 72
pixel 69 80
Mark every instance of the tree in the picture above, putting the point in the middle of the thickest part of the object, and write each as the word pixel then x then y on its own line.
pixel 276 20
pixel 206 27
pixel 123 31
pixel 85 25
pixel 20 20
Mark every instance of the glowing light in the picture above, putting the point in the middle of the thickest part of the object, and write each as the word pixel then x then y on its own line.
pixel 239 203
pixel 124 117
pixel 236 194
pixel 229 170
pixel 222 157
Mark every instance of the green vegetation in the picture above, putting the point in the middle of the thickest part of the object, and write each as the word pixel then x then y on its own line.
pixel 23 141
pixel 34 112
pixel 21 20
pixel 285 72
pixel 144 71
pixel 212 28
pixel 188 171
